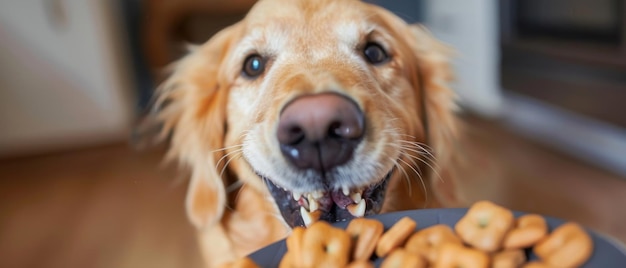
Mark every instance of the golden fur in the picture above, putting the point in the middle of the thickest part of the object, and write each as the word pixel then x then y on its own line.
pixel 222 124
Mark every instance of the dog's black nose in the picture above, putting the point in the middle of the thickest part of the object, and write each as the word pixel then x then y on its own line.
pixel 320 131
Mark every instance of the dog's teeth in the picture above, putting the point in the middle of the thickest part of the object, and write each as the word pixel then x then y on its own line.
pixel 317 194
pixel 313 205
pixel 358 209
pixel 345 190
pixel 356 197
pixel 296 196
pixel 309 217
pixel 306 217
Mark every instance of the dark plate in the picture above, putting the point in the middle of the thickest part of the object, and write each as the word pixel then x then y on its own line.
pixel 607 253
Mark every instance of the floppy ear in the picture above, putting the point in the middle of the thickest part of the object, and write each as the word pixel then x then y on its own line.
pixel 433 77
pixel 191 110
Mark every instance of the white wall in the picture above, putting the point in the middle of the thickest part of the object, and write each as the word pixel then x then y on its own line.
pixel 64 82
pixel 470 27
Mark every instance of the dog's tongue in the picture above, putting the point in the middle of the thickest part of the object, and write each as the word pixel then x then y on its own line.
pixel 325 203
pixel 340 199
pixel 336 198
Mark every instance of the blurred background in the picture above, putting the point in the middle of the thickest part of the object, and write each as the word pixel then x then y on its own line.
pixel 542 84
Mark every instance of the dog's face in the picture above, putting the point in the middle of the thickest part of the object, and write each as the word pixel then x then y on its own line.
pixel 329 108
pixel 321 104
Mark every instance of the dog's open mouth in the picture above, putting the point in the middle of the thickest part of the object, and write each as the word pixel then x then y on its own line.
pixel 302 209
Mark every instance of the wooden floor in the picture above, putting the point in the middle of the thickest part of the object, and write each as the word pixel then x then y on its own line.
pixel 113 207
pixel 107 207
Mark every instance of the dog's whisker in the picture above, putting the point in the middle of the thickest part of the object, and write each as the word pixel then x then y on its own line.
pixel 416 142
pixel 226 156
pixel 406 175
pixel 404 148
pixel 424 147
pixel 419 150
pixel 228 162
pixel 412 159
pixel 234 186
pixel 433 165
pixel 393 119
pixel 415 147
pixel 407 135
pixel 413 139
pixel 427 164
pixel 420 178
pixel 226 148
pixel 409 156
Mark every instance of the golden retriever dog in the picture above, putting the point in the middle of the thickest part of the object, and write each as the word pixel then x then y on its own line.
pixel 307 110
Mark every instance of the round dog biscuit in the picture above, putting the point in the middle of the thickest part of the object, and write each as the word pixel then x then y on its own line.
pixel 512 258
pixel 485 225
pixel 453 255
pixel 400 258
pixel 426 242
pixel 529 229
pixel 567 246
pixel 325 246
pixel 365 234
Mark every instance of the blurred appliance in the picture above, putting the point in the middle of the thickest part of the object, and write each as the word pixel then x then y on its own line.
pixel 569 53
pixel 563 70
pixel 554 70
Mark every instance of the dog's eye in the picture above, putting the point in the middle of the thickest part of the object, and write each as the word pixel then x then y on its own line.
pixel 253 66
pixel 374 53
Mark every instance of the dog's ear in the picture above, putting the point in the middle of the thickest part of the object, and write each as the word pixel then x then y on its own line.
pixel 191 111
pixel 433 76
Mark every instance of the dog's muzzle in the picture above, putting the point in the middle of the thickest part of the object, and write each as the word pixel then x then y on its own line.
pixel 318 133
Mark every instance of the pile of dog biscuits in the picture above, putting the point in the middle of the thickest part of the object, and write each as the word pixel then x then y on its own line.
pixel 488 235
